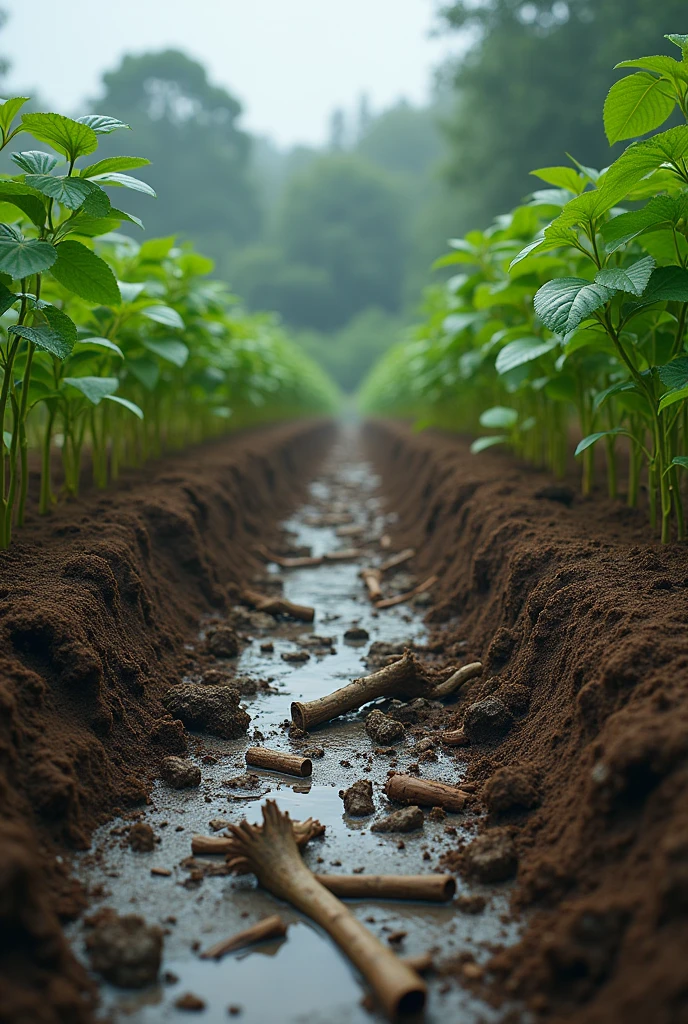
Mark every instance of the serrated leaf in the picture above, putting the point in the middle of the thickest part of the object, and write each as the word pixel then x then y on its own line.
pixel 101 124
pixel 636 105
pixel 175 352
pixel 23 258
pixel 7 299
pixel 9 110
pixel 44 338
pixel 95 389
pixel 99 344
pixel 627 226
pixel 482 443
pixel 633 280
pixel 26 199
pixel 669 67
pixel 130 217
pixel 71 138
pixel 114 163
pixel 164 315
pixel 124 181
pixel 35 161
pixel 666 284
pixel 87 275
pixel 72 193
pixel 126 404
pixel 522 351
pixel 499 416
pixel 678 40
pixel 554 236
pixel 637 161
pixel 675 373
pixel 562 177
pixel 59 322
pixel 562 304
pixel 672 397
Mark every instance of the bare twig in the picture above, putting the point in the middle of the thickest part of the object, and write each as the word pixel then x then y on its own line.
pixel 344 555
pixel 269 928
pixel 457 680
pixel 277 606
pixel 405 789
pixel 396 560
pixel 304 831
pixel 437 888
pixel 372 579
pixel 390 602
pixel 455 738
pixel 277 761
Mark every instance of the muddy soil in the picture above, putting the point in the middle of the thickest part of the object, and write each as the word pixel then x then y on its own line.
pixel 582 627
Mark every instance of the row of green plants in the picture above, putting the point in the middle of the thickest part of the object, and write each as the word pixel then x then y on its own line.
pixel 570 312
pixel 110 348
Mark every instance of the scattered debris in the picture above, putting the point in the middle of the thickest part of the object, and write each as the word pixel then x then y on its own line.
pixel 408 819
pixel 278 606
pixel 491 857
pixel 457 680
pixel 383 730
pixel 125 950
pixel 404 789
pixel 372 579
pixel 179 773
pixel 246 781
pixel 455 738
pixel 189 1001
pixel 161 872
pixel 397 560
pixel 355 633
pixel 223 642
pixel 295 657
pixel 141 837
pixel 312 752
pixel 510 789
pixel 391 602
pixel 277 761
pixel 303 832
pixel 487 720
pixel 474 904
pixel 358 798
pixel 211 709
pixel 344 555
pixel 269 928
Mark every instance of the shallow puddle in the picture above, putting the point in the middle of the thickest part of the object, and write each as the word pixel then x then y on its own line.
pixel 302 977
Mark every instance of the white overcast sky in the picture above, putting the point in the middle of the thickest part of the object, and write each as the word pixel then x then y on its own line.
pixel 290 62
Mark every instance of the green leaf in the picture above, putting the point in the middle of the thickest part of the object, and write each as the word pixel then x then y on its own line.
pixel 44 338
pixel 146 371
pixel 114 163
pixel 101 124
pixel 175 352
pixel 87 275
pixel 164 315
pixel 7 299
pixel 9 110
pixel 35 161
pixel 636 162
pixel 59 322
pixel 156 249
pixel 593 438
pixel 23 258
pixel 562 177
pixel 667 284
pixel 130 217
pixel 675 373
pixel 562 304
pixel 7 439
pixel 523 350
pixel 71 138
pixel 124 181
pixel 679 40
pixel 671 397
pixel 556 236
pixel 481 443
pixel 680 460
pixel 668 67
pixel 126 404
pixel 615 389
pixel 97 344
pixel 627 226
pixel 72 193
pixel 130 290
pixel 95 389
pixel 633 279
pixel 26 199
pixel 499 416
pixel 636 105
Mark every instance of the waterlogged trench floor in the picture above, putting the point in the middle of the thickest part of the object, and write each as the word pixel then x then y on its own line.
pixel 302 977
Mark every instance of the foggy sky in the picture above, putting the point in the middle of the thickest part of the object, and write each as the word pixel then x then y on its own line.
pixel 290 62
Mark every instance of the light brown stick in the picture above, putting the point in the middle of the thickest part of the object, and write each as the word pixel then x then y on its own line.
pixel 385 542
pixel 372 579
pixel 352 530
pixel 304 831
pixel 390 602
pixel 274 858
pixel 437 888
pixel 277 606
pixel 455 738
pixel 404 679
pixel 345 555
pixel 396 560
pixel 457 680
pixel 277 761
pixel 269 928
pixel 421 963
pixel 405 789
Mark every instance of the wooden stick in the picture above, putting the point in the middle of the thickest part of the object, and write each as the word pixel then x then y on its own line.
pixel 421 963
pixel 345 555
pixel 274 858
pixel 455 738
pixel 304 831
pixel 277 606
pixel 352 530
pixel 404 679
pixel 436 888
pixel 457 680
pixel 390 602
pixel 269 928
pixel 372 579
pixel 385 542
pixel 405 789
pixel 276 761
pixel 294 562
pixel 396 560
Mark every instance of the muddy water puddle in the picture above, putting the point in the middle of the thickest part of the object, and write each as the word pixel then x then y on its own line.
pixel 303 977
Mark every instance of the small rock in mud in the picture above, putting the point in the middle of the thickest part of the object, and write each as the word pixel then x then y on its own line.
pixel 268 648
pixel 246 781
pixel 295 657
pixel 141 838
pixel 212 709
pixel 216 677
pixel 515 696
pixel 415 711
pixel 189 1001
pixel 312 752
pixel 125 950
pixel 179 773
pixel 492 856
pixel 217 824
pixel 407 819
pixel 356 633
pixel 358 799
pixel 242 618
pixel 169 734
pixel 509 789
pixel 383 730
pixel 487 720
pixel 424 743
pixel 380 650
pixel 316 641
pixel 437 814
pixel 427 755
pixel 223 642
pixel 470 904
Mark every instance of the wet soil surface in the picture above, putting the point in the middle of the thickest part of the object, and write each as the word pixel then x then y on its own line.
pixel 302 977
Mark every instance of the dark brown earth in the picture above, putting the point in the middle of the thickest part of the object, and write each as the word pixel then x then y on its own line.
pixel 95 604
pixel 582 626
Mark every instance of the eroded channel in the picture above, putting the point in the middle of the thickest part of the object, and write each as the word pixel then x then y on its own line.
pixel 302 977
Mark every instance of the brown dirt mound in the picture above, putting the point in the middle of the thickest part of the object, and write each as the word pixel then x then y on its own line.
pixel 581 624
pixel 95 603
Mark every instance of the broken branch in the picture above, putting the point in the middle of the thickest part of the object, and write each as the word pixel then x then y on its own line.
pixel 404 789
pixel 404 679
pixel 372 579
pixel 273 856
pixel 276 761
pixel 390 602
pixel 396 560
pixel 457 680
pixel 303 831
pixel 455 738
pixel 277 606
pixel 345 555
pixel 436 888
pixel 269 928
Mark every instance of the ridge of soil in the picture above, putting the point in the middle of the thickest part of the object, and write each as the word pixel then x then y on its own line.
pixel 582 627
pixel 95 604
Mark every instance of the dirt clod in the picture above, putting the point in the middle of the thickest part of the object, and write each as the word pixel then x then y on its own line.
pixel 491 857
pixel 355 633
pixel 190 1001
pixel 358 798
pixel 125 950
pixel 211 709
pixel 407 819
pixel 223 642
pixel 382 729
pixel 510 789
pixel 487 720
pixel 179 773
pixel 141 837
